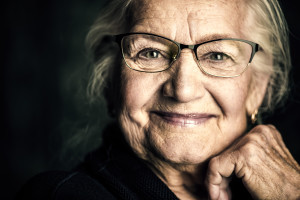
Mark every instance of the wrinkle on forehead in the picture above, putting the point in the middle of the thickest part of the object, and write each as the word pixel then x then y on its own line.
pixel 186 13
pixel 165 9
pixel 160 9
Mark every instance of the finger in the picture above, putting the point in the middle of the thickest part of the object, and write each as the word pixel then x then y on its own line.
pixel 225 192
pixel 219 169
pixel 224 195
pixel 214 191
pixel 221 191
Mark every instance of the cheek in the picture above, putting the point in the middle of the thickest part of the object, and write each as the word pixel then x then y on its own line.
pixel 232 99
pixel 139 93
pixel 137 90
pixel 132 117
pixel 231 96
pixel 231 93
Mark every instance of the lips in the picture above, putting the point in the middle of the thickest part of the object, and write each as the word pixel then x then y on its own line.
pixel 184 119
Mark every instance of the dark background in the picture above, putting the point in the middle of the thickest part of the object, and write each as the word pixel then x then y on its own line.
pixel 43 53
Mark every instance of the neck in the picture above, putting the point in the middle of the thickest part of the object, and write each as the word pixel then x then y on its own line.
pixel 185 181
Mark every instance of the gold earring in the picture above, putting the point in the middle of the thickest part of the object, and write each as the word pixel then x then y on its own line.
pixel 254 116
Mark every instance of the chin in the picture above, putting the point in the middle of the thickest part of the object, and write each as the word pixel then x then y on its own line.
pixel 180 153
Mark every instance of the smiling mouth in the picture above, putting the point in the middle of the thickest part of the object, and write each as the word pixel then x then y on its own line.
pixel 184 119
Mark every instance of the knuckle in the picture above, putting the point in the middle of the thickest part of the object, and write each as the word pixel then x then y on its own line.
pixel 256 138
pixel 213 163
pixel 273 131
pixel 261 129
pixel 212 168
pixel 271 126
pixel 266 132
pixel 250 148
pixel 250 153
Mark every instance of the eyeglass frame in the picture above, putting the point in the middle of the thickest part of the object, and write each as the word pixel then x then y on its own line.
pixel 255 48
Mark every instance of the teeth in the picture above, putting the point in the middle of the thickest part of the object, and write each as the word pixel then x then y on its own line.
pixel 189 121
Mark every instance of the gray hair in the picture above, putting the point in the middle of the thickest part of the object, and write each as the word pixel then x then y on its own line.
pixel 114 19
pixel 269 30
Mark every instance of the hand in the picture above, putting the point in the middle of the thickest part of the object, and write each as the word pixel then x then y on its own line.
pixel 261 159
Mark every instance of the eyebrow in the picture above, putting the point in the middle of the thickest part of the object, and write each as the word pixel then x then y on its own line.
pixel 202 38
pixel 209 37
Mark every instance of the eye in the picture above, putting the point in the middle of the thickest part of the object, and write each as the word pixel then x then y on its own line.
pixel 218 56
pixel 150 54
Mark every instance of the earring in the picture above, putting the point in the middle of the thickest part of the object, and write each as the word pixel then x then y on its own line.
pixel 254 116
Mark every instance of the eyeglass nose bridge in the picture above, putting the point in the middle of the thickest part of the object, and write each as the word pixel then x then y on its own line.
pixel 184 46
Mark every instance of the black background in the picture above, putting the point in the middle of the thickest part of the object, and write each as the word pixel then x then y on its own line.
pixel 42 54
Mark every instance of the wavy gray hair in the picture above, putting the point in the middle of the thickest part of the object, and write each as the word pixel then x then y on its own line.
pixel 269 29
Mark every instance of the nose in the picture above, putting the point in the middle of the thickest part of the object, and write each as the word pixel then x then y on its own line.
pixel 185 83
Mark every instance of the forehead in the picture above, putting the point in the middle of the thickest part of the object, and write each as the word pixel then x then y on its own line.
pixel 196 18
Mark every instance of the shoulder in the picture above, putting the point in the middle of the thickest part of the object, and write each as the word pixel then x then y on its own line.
pixel 57 185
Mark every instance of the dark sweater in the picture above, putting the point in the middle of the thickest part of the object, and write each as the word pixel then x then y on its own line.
pixel 111 172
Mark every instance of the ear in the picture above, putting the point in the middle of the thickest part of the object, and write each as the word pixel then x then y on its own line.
pixel 257 91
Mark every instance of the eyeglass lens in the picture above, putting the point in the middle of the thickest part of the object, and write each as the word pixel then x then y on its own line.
pixel 150 53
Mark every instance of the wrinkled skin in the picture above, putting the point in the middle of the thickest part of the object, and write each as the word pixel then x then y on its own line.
pixel 180 153
pixel 262 161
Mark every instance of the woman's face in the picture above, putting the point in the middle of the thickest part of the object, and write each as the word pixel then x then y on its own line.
pixel 181 115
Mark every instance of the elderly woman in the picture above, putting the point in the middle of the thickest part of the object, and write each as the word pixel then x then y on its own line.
pixel 186 82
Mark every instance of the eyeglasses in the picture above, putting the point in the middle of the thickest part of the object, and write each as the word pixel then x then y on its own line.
pixel 151 53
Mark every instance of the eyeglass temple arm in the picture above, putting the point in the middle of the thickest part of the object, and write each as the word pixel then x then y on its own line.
pixel 255 48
